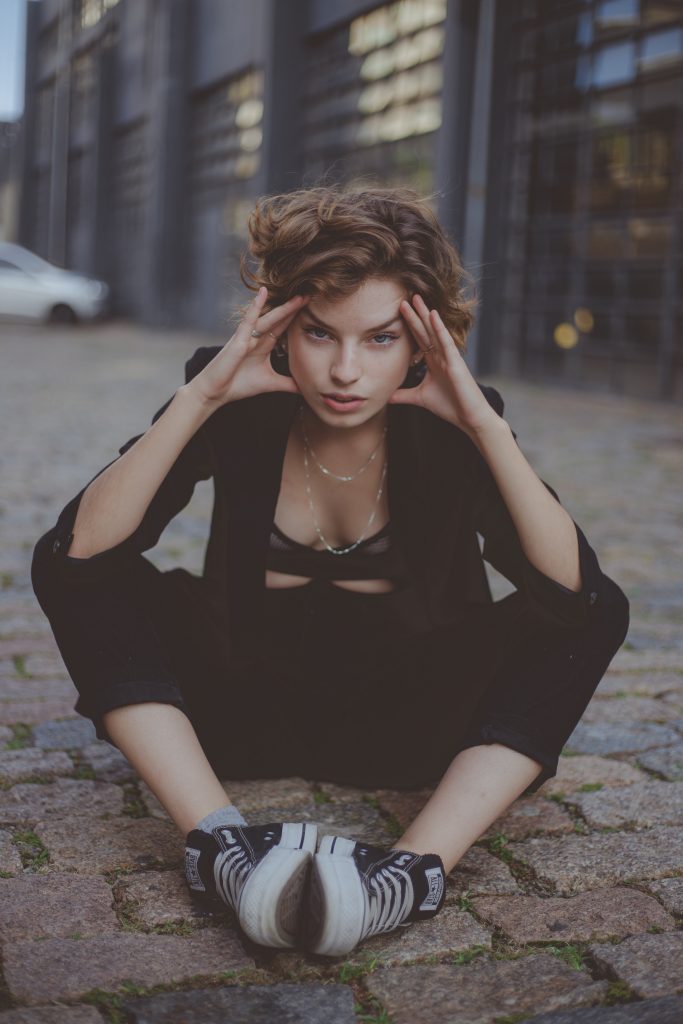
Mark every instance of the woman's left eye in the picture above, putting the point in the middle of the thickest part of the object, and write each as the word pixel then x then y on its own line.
pixel 315 332
pixel 390 337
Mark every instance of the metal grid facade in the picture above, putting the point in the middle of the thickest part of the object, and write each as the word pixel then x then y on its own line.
pixel 593 195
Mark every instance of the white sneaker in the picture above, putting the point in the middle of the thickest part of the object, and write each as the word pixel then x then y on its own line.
pixel 257 870
pixel 357 890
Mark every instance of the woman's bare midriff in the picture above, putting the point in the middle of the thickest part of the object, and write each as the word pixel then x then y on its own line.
pixel 341 519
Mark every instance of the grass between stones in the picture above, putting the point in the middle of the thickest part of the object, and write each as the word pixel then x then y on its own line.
pixel 133 804
pixel 31 850
pixel 23 736
pixel 19 662
pixel 523 873
pixel 81 769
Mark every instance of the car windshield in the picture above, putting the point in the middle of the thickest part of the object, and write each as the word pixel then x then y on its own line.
pixel 26 260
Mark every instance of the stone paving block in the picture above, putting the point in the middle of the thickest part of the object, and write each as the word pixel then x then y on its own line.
pixel 32 689
pixel 27 801
pixel 528 815
pixel 312 1003
pixel 669 891
pixel 10 861
pixel 162 897
pixel 478 992
pixel 667 1010
pixel 36 972
pixel 45 644
pixel 652 684
pixel 34 711
pixel 97 845
pixel 582 769
pixel 643 803
pixel 654 658
pixel 605 738
pixel 576 863
pixel 355 821
pixel 667 761
pixel 45 663
pixel 6 735
pixel 259 794
pixel 600 914
pixel 403 805
pixel 652 965
pixel 108 763
pixel 451 931
pixel 17 765
pixel 479 872
pixel 76 732
pixel 55 904
pixel 52 1015
pixel 625 710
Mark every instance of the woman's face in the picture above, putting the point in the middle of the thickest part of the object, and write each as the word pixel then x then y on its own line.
pixel 359 345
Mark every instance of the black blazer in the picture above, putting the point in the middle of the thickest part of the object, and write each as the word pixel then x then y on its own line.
pixel 441 493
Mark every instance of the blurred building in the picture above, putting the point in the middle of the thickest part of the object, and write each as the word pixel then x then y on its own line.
pixel 10 162
pixel 551 132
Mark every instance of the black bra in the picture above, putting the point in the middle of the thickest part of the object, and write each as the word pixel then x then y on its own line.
pixel 374 558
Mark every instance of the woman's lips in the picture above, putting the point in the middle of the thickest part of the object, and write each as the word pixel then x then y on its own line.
pixel 339 406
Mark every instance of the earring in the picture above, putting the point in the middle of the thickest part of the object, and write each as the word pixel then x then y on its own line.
pixel 279 359
pixel 415 374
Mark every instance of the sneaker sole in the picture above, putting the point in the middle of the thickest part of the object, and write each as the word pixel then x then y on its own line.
pixel 335 905
pixel 271 899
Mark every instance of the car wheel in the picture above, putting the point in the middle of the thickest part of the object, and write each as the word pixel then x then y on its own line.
pixel 62 314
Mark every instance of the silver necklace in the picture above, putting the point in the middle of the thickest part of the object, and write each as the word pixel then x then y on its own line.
pixel 340 551
pixel 324 469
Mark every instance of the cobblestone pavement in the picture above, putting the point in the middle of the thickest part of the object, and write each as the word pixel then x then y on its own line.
pixel 568 909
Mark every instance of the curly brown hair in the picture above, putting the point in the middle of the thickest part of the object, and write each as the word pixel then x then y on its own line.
pixel 328 239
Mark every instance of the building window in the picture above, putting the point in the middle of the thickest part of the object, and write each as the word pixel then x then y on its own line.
pixel 88 12
pixel 661 50
pixel 226 133
pixel 373 103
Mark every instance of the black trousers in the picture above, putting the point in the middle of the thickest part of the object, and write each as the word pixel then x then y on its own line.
pixel 340 689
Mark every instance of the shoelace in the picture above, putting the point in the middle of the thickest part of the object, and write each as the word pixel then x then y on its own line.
pixel 388 897
pixel 233 866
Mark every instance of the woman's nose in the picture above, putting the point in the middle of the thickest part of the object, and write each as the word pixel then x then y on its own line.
pixel 346 366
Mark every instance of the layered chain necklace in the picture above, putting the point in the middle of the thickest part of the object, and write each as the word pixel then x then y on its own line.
pixel 308 449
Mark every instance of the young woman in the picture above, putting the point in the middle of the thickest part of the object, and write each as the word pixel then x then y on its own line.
pixel 342 629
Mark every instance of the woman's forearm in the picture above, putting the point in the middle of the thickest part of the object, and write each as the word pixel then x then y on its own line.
pixel 546 530
pixel 114 503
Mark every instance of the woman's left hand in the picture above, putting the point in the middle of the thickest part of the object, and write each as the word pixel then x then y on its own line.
pixel 448 389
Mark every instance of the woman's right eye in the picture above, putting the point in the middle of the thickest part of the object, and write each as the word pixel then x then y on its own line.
pixel 311 330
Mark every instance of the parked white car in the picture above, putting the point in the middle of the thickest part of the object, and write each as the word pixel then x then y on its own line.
pixel 33 289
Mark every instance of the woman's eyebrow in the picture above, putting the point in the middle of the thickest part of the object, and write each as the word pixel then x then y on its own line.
pixel 370 330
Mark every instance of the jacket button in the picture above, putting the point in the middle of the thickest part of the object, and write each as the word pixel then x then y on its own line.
pixel 593 597
pixel 56 546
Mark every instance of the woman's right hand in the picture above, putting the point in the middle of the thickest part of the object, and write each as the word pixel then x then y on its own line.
pixel 242 368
